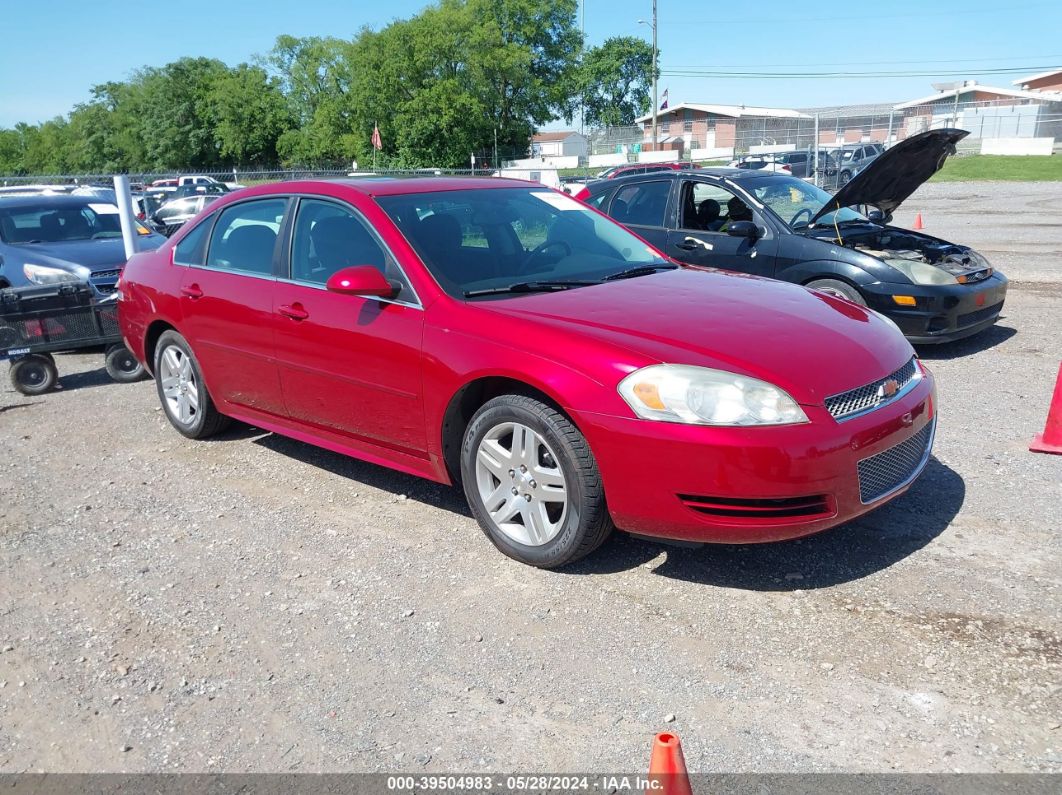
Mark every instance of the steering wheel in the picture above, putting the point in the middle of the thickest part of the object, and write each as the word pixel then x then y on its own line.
pixel 541 249
pixel 800 212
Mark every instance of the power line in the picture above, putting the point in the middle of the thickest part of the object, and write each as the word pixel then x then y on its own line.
pixel 723 74
pixel 1057 58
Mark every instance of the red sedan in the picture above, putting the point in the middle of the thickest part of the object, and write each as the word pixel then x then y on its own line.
pixel 506 337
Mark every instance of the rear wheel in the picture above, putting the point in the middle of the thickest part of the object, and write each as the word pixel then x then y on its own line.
pixel 34 374
pixel 846 177
pixel 532 482
pixel 122 366
pixel 181 388
pixel 838 289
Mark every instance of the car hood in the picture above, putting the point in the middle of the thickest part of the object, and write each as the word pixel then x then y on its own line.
pixel 896 173
pixel 93 254
pixel 810 344
pixel 96 255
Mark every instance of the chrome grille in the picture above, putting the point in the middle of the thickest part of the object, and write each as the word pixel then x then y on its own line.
pixel 892 469
pixel 870 396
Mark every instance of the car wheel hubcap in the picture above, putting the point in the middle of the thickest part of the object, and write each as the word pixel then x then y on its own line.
pixel 521 484
pixel 179 387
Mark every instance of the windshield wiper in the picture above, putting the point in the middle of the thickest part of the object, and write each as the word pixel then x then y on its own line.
pixel 641 270
pixel 530 287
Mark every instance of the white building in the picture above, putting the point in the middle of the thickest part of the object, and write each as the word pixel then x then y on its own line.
pixel 567 143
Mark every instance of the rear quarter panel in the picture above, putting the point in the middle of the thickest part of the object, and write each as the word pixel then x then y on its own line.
pixel 150 288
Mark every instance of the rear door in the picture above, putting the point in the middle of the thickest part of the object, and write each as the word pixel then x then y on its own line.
pixel 643 207
pixel 348 364
pixel 227 303
pixel 697 233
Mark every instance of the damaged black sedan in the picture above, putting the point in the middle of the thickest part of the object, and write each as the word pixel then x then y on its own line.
pixel 783 227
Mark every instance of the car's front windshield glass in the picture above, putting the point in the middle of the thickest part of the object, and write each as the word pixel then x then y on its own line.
pixel 796 202
pixel 487 239
pixel 48 222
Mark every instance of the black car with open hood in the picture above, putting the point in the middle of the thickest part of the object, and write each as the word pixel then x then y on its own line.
pixel 783 227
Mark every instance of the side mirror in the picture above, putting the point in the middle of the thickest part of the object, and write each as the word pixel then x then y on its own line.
pixel 360 280
pixel 743 229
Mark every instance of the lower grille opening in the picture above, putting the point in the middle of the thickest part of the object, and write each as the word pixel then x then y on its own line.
pixel 775 508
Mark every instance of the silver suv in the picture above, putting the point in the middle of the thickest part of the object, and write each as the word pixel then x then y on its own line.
pixel 853 159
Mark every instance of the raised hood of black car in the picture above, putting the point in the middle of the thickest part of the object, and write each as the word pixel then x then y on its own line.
pixel 897 172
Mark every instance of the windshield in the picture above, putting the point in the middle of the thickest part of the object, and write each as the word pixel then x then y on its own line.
pixel 796 202
pixel 481 240
pixel 47 223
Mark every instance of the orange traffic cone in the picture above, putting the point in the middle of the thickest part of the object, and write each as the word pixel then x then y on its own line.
pixel 667 767
pixel 1050 441
pixel 918 222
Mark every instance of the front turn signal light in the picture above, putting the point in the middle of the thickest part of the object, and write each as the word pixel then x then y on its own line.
pixel 904 300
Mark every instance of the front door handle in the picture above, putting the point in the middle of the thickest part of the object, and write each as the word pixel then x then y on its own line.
pixel 193 291
pixel 294 311
pixel 692 243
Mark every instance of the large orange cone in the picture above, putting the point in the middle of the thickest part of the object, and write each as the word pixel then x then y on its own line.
pixel 918 222
pixel 1050 441
pixel 667 767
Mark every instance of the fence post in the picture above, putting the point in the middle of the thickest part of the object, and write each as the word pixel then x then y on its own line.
pixel 815 149
pixel 125 213
pixel 888 135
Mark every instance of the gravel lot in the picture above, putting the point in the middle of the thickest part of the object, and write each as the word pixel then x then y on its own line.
pixel 256 604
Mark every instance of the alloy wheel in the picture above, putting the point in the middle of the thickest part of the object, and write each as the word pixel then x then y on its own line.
pixel 520 484
pixel 179 387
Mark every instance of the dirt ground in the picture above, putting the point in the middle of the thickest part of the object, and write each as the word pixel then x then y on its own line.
pixel 256 604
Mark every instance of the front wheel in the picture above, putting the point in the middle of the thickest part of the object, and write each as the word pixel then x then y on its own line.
pixel 181 388
pixel 532 482
pixel 838 289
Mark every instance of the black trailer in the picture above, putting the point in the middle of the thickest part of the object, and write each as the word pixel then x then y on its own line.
pixel 36 322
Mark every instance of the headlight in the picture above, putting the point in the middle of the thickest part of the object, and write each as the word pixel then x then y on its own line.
pixel 921 272
pixel 42 274
pixel 700 396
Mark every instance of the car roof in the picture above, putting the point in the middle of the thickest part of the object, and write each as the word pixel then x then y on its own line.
pixel 735 174
pixel 51 200
pixel 391 185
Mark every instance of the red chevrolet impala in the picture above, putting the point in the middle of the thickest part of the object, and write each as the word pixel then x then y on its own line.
pixel 503 336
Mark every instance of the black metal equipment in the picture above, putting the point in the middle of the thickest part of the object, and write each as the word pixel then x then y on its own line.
pixel 36 322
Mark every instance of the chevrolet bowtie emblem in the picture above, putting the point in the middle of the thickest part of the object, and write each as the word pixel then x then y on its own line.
pixel 889 388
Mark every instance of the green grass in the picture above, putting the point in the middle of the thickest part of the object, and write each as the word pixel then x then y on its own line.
pixel 1010 168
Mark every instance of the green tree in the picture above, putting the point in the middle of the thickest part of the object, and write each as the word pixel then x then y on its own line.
pixel 249 114
pixel 614 81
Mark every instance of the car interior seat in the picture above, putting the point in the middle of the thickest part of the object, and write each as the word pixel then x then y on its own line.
pixel 440 237
pixel 708 212
pixel 340 241
pixel 250 248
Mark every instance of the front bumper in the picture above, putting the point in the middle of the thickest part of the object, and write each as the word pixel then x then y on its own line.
pixel 753 485
pixel 943 313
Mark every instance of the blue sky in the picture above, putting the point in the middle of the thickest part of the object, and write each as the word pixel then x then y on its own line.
pixel 54 51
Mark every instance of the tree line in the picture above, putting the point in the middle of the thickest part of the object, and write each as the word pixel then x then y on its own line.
pixel 445 83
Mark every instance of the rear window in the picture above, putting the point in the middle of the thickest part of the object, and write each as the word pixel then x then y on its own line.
pixel 245 236
pixel 642 204
pixel 192 247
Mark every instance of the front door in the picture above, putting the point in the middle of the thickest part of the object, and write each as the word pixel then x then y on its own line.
pixel 348 364
pixel 227 303
pixel 698 235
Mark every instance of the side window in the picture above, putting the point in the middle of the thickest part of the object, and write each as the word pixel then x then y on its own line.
pixel 642 204
pixel 328 237
pixel 245 235
pixel 707 207
pixel 599 200
pixel 190 249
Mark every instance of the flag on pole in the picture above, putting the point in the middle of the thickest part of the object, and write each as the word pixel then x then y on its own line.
pixel 663 105
pixel 377 141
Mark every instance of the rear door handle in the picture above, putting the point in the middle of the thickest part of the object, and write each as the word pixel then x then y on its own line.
pixel 294 311
pixel 192 291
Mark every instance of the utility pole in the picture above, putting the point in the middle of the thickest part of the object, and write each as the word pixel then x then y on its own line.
pixel 655 105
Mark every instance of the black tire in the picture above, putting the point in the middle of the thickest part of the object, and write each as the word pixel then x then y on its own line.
pixel 206 420
pixel 846 177
pixel 586 523
pixel 122 366
pixel 35 374
pixel 838 288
